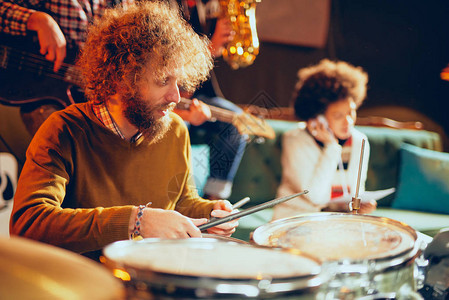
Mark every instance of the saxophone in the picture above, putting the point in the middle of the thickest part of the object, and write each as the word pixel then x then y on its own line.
pixel 243 49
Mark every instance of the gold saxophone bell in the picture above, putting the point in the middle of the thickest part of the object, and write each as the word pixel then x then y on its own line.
pixel 243 49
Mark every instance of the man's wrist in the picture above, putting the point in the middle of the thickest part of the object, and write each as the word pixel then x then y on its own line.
pixel 132 220
pixel 135 223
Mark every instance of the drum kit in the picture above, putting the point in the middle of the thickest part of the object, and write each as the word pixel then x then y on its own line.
pixel 311 256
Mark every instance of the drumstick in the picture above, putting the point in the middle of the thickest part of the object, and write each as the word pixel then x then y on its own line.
pixel 240 203
pixel 248 211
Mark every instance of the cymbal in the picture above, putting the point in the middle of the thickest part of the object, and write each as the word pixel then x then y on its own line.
pixel 34 270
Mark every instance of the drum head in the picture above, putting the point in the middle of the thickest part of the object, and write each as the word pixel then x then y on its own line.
pixel 212 268
pixel 333 236
pixel 211 258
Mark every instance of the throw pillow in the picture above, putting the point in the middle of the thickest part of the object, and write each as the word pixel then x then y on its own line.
pixel 200 166
pixel 423 180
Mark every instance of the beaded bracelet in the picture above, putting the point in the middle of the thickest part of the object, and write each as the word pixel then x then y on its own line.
pixel 136 231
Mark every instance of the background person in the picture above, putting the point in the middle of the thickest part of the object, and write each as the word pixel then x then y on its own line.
pixel 226 144
pixel 57 30
pixel 324 157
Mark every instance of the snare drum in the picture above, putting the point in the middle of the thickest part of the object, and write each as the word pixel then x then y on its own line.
pixel 377 254
pixel 210 268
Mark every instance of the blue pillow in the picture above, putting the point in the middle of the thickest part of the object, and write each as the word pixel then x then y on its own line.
pixel 423 180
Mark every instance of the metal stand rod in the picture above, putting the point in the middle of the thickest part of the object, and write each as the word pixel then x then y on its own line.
pixel 355 204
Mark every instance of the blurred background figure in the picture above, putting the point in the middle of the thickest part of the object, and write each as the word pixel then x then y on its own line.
pixel 56 30
pixel 226 144
pixel 324 156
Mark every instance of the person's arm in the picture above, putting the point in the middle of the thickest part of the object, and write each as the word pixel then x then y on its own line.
pixel 38 211
pixel 171 224
pixel 160 223
pixel 58 203
pixel 44 189
pixel 51 39
pixel 14 18
pixel 222 35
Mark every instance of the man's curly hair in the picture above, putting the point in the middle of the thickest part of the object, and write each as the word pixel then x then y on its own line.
pixel 127 40
pixel 326 83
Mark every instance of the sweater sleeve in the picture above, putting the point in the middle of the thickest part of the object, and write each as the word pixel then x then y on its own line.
pixel 38 211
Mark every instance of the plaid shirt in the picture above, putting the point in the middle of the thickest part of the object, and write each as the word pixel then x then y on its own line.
pixel 102 113
pixel 73 16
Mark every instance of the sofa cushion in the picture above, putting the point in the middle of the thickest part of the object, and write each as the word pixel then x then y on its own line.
pixel 260 171
pixel 200 166
pixel 423 180
pixel 385 143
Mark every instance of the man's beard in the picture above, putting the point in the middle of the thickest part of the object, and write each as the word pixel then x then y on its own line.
pixel 146 118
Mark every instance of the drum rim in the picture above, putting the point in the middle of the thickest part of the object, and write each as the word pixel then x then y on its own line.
pixel 276 285
pixel 407 254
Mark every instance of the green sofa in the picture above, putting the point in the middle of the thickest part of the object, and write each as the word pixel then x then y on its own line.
pixel 259 174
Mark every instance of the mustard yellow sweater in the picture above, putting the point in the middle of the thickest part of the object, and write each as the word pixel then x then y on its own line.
pixel 80 181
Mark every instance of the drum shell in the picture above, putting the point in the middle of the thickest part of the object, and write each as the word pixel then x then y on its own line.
pixel 380 274
pixel 146 283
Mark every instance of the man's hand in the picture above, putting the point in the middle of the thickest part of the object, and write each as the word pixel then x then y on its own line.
pixel 51 39
pixel 197 114
pixel 160 223
pixel 222 35
pixel 222 209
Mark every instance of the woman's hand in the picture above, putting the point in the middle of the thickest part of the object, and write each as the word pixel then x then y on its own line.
pixel 319 129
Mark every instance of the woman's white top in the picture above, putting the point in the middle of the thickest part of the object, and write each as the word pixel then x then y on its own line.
pixel 308 166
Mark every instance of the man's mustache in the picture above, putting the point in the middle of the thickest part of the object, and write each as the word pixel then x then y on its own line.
pixel 168 107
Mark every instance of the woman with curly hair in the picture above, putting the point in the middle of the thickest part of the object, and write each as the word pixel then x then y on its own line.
pixel 119 165
pixel 323 156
